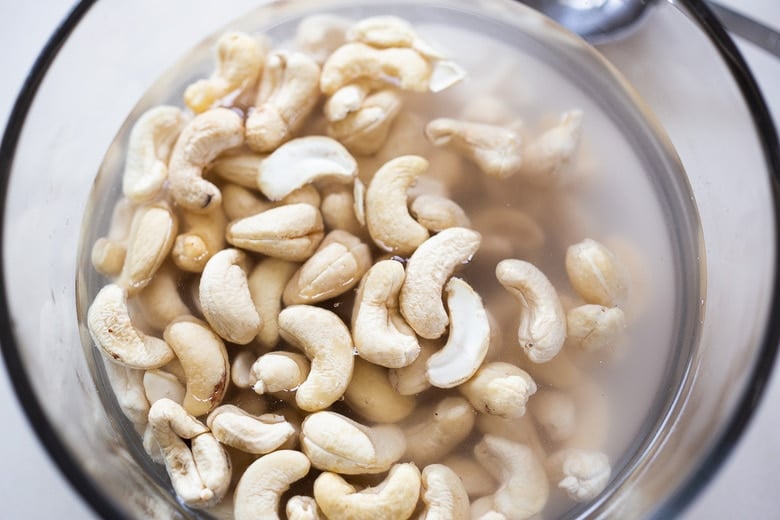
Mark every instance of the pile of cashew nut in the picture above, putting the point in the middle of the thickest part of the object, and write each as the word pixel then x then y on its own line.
pixel 304 318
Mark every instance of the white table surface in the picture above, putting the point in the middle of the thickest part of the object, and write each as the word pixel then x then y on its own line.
pixel 32 488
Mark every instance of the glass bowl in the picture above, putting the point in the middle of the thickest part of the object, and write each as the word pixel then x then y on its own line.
pixel 721 214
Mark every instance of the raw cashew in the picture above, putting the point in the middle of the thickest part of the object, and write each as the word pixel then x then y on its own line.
pixel 200 472
pixel 546 157
pixel 336 267
pixel 232 426
pixel 542 328
pixel 556 414
pixel 365 130
pixel 475 479
pixel 128 387
pixel 204 360
pixel 355 61
pixel 359 197
pixel 594 328
pixel 159 384
pixel 499 388
pixel 390 31
pixel 302 507
pixel 336 443
pixel 225 299
pixel 160 302
pixel 582 474
pixel 319 35
pixel 266 285
pixel 291 232
pixel 326 341
pixel 240 168
pixel 346 100
pixel 108 253
pixel 201 141
pixel 520 430
pixel 524 489
pixel 438 213
pixel 264 482
pixel 113 332
pixel 482 509
pixel 204 235
pixel 596 273
pixel 241 369
pixel 279 371
pixel 443 494
pixel 396 497
pixel 371 396
pixel 436 430
pixel 287 94
pixel 496 150
pixel 468 340
pixel 148 150
pixel 339 209
pixel 426 273
pixel 380 334
pixel 239 202
pixel 387 215
pixel 413 379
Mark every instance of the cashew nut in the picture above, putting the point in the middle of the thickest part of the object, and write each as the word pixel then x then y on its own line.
pixel 596 273
pixel 475 479
pixel 521 430
pixel 279 372
pixel 319 35
pixel 339 208
pixel 160 302
pixel 266 285
pixel 240 168
pixel 426 272
pixel 594 328
pixel 262 485
pixel 108 253
pixel 128 387
pixel 390 31
pixel 204 236
pixel 225 299
pixel 302 507
pixel 438 213
pixel 159 384
pixel 582 474
pixel 202 140
pixel 413 378
pixel 556 414
pixel 347 99
pixel 436 430
pixel 239 202
pixel 482 509
pixel 371 396
pixel 364 130
pixel 396 497
pixel 443 494
pixel 499 388
pixel 234 427
pixel 546 157
pixel 542 328
pixel 241 369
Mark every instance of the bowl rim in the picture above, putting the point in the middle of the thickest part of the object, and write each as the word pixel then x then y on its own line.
pixel 675 503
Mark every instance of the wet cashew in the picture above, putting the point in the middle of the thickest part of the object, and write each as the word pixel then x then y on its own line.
pixel 302 508
pixel 336 443
pixel 371 396
pixel 413 379
pixel 426 273
pixel 520 430
pixel 128 387
pixel 596 273
pixel 347 99
pixel 438 213
pixel 326 341
pixel 234 427
pixel 204 236
pixel 475 479
pixel 443 494
pixel 396 497
pixel 499 388
pixel 241 369
pixel 160 302
pixel 594 328
pixel 202 140
pixel 239 202
pixel 336 267
pixel 359 197
pixel 291 232
pixel 200 472
pixel 364 130
pixel 436 430
pixel 556 414
pixel 387 216
pixel 542 328
pixel 546 157
pixel 262 485
pixel 148 151
pixel 115 335
pixel 204 360
pixel 279 371
pixel 320 34
pixel 266 285
pixel 159 384
pixel 225 299
pixel 339 209
pixel 240 168
pixel 582 474
pixel 108 253
pixel 482 509
pixel 390 31
pixel 468 339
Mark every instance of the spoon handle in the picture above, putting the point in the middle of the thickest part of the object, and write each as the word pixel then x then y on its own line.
pixel 747 28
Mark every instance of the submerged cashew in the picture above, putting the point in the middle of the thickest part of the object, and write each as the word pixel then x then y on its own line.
pixel 499 388
pixel 438 213
pixel 201 141
pixel 148 150
pixel 160 302
pixel 234 427
pixel 239 168
pixel 413 378
pixel 364 130
pixel 396 497
pixel 204 235
pixel 266 285
pixel 302 508
pixel 594 328
pixel 475 479
pixel 387 216
pixel 225 299
pixel 596 273
pixel 108 253
pixel 556 414
pixel 443 494
pixel 128 387
pixel 204 360
pixel 542 328
pixel 371 396
pixel 581 474
pixel 339 208
pixel 336 443
pixel 390 31
pixel 319 35
pixel 347 99
pixel 426 272
pixel 279 372
pixel 287 94
pixel 262 485
pixel 159 384
pixel 326 341
pixel 436 430
pixel 241 369
pixel 546 157
pixel 113 332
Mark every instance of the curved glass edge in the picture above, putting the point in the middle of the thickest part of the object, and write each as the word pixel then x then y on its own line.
pixel 33 410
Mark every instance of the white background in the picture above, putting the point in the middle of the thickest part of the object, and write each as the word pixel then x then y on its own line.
pixel 32 488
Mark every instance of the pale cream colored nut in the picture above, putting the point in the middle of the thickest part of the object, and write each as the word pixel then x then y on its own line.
pixel 266 285
pixel 412 379
pixel 200 472
pixel 151 446
pixel 468 339
pixel 336 267
pixel 359 197
pixel 240 168
pixel 279 371
pixel 396 497
pixel 303 161
pixel 319 35
pixel 204 360
pixel 365 130
pixel 594 328
pixel 151 238
pixel 262 485
pixel 489 109
pixel 302 507
pixel 339 209
pixel 438 213
pixel 234 427
pixel 387 215
pixel 596 273
pixel 435 431
pixel 521 430
pixel 159 384
pixel 371 396
pixel 240 59
pixel 581 474
pixel 542 328
pixel 202 237
pixel 306 194
pixel 326 341
pixel 239 202
pixel 482 509
pixel 379 331
pixel 496 150
pixel 291 232
pixel 225 299
pixel 148 150
pixel 545 159
pixel 475 479
pixel 524 489
pixel 202 140
pixel 386 31
pixel 108 256
pixel 160 302
pixel 347 99
pixel 128 387
pixel 443 494
pixel 499 388
pixel 336 443
pixel 109 324
pixel 355 61
pixel 556 414
pixel 241 369
pixel 428 269
pixel 288 92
